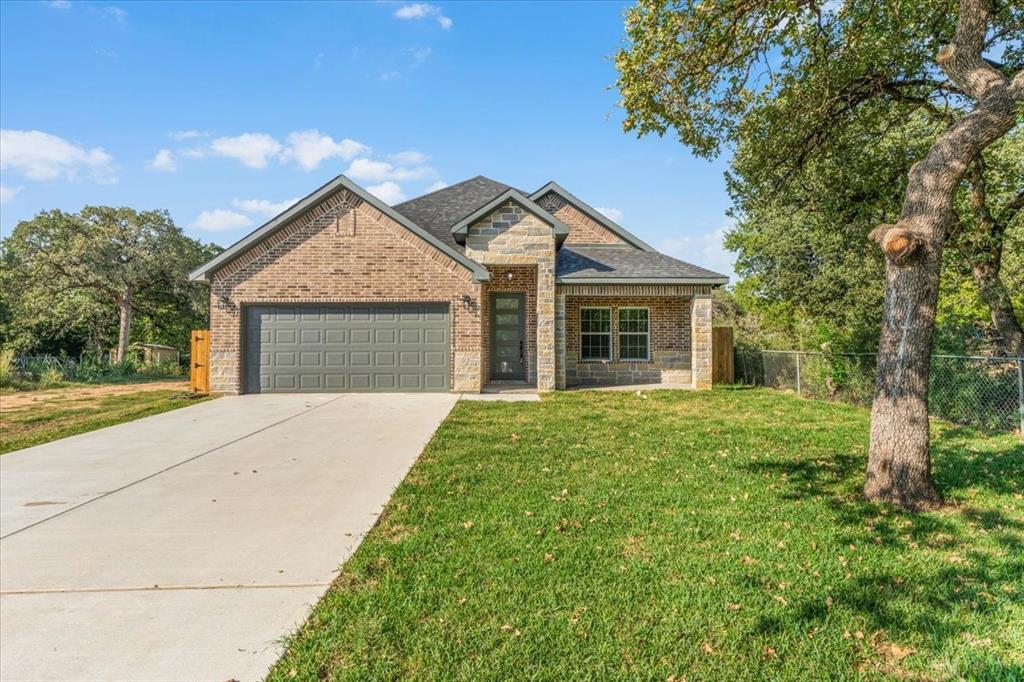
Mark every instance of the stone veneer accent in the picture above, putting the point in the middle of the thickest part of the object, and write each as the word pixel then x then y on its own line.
pixel 670 320
pixel 343 251
pixel 582 228
pixel 511 235
pixel 701 323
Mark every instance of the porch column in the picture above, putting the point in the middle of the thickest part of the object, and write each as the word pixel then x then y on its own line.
pixel 700 342
pixel 560 341
pixel 546 321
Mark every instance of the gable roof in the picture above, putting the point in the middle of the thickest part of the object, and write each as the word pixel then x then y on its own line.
pixel 203 272
pixel 461 228
pixel 437 211
pixel 593 214
pixel 616 264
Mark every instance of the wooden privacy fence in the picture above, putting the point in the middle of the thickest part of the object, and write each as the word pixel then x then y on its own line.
pixel 723 370
pixel 199 377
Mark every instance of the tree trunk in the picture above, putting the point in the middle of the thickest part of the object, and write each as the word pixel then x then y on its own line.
pixel 899 463
pixel 983 249
pixel 124 305
pixel 1004 318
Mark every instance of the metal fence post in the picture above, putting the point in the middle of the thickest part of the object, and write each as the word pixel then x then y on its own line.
pixel 1020 392
pixel 798 372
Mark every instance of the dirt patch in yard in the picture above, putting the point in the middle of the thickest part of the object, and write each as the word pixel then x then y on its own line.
pixel 68 396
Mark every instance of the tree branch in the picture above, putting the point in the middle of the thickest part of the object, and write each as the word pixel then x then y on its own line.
pixel 961 59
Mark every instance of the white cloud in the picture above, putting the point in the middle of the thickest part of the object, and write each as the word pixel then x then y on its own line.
pixel 409 158
pixel 164 161
pixel 613 214
pixel 180 135
pixel 115 13
pixel 309 148
pixel 7 193
pixel 42 156
pixel 318 60
pixel 192 152
pixel 369 170
pixel 419 54
pixel 59 4
pixel 440 184
pixel 388 75
pixel 388 192
pixel 706 250
pixel 252 149
pixel 105 52
pixel 264 207
pixel 219 220
pixel 423 10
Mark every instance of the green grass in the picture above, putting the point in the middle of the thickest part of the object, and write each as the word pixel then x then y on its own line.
pixel 706 536
pixel 53 418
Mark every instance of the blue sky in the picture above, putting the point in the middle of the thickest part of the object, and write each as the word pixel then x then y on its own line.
pixel 221 113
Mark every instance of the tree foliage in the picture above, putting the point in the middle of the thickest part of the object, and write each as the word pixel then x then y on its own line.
pixel 69 277
pixel 825 107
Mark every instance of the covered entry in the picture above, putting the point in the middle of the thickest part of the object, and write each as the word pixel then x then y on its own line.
pixel 346 347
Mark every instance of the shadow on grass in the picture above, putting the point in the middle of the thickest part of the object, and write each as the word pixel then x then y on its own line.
pixel 972 562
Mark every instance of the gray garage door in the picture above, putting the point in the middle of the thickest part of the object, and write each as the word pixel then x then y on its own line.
pixel 328 348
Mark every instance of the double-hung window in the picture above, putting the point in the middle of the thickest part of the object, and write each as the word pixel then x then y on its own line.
pixel 634 334
pixel 596 333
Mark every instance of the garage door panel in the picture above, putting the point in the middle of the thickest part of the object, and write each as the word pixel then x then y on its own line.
pixel 361 347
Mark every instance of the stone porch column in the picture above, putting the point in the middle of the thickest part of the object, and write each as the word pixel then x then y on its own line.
pixel 546 322
pixel 700 344
pixel 560 341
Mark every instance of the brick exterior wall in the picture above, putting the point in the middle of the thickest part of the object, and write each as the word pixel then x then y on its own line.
pixel 582 228
pixel 343 251
pixel 670 335
pixel 524 281
pixel 511 235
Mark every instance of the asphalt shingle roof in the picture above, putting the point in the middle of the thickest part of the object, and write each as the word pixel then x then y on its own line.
pixel 438 211
pixel 602 262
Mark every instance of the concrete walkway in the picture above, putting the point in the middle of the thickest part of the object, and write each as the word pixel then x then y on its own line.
pixel 184 545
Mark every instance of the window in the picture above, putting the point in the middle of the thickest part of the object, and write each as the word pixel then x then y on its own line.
pixel 634 334
pixel 596 333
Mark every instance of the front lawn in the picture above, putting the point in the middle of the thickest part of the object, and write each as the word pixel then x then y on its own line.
pixel 31 418
pixel 676 535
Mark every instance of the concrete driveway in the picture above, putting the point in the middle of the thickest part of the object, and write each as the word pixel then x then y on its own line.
pixel 183 546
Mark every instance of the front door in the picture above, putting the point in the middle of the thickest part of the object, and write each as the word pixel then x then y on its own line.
pixel 508 330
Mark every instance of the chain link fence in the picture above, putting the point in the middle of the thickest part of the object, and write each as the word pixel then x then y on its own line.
pixel 964 389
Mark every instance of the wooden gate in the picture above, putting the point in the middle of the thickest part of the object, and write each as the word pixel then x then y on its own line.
pixel 722 369
pixel 200 360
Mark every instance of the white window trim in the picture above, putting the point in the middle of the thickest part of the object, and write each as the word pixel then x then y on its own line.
pixel 610 333
pixel 619 333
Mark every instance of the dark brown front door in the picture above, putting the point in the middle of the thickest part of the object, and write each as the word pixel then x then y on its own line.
pixel 508 329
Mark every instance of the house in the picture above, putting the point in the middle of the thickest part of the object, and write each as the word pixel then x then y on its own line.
pixel 470 286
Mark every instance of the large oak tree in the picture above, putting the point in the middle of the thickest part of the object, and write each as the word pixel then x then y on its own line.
pixel 98 269
pixel 797 77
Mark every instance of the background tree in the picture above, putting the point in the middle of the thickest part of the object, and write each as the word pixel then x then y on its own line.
pixel 800 81
pixel 81 280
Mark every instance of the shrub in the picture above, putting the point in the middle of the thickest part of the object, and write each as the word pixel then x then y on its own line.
pixel 7 371
pixel 51 377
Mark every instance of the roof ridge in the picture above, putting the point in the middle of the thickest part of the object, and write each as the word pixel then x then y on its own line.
pixel 446 187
